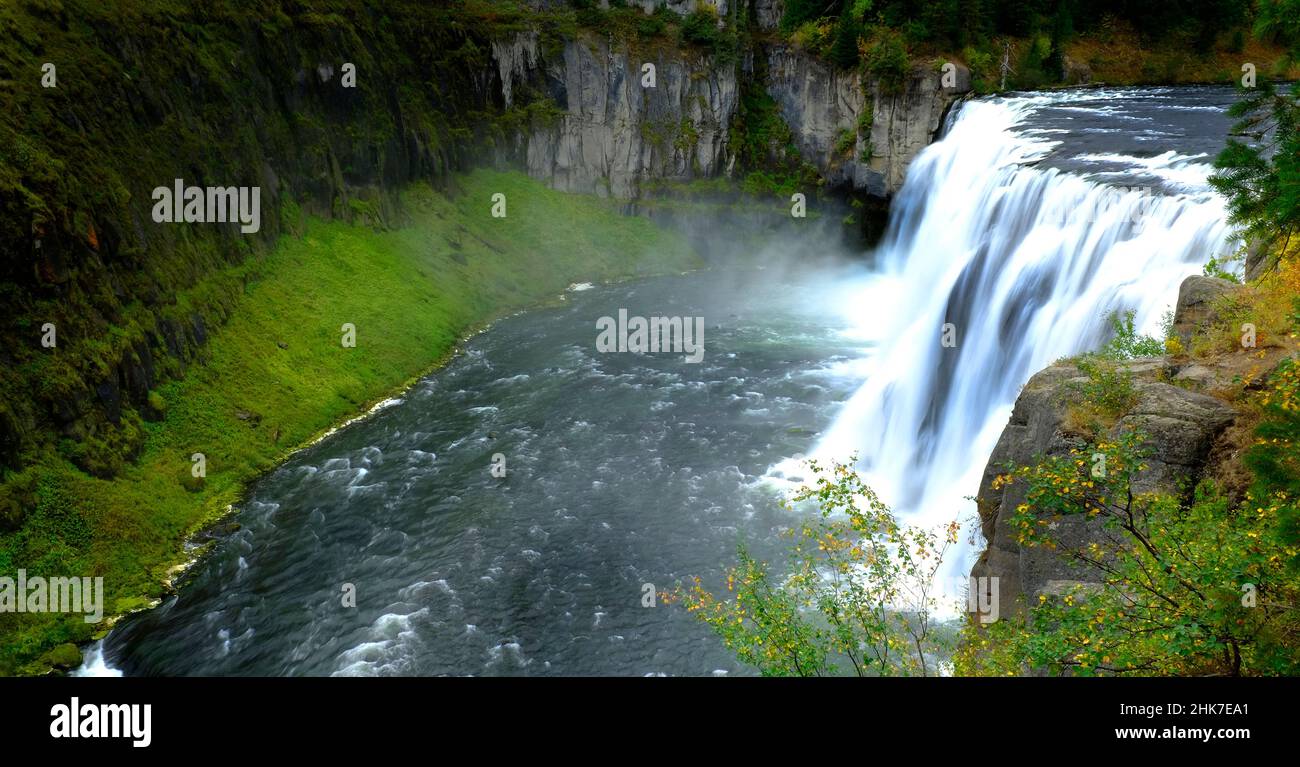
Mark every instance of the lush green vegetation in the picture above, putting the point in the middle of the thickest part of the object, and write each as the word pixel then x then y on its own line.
pixel 856 597
pixel 1195 587
pixel 220 93
pixel 276 374
pixel 1260 176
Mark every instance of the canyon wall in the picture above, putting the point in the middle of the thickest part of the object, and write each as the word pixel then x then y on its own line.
pixel 887 126
pixel 616 134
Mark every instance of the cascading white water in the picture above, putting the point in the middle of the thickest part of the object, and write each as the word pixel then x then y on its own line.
pixel 1025 264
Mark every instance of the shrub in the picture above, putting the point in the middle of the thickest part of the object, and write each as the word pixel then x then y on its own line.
pixel 844 144
pixel 1106 393
pixel 1275 457
pixel 980 62
pixel 844 51
pixel 1127 343
pixel 856 598
pixel 866 118
pixel 815 37
pixel 1170 587
pixel 157 402
pixel 700 28
pixel 887 61
pixel 799 12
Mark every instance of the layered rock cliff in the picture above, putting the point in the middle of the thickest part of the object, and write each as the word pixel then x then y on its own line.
pixel 623 125
pixel 856 131
pixel 616 132
pixel 1182 407
pixel 1181 426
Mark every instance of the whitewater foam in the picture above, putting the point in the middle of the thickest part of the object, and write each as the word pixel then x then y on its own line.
pixel 979 239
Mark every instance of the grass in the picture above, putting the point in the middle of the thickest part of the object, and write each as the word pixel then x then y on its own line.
pixel 1269 304
pixel 276 373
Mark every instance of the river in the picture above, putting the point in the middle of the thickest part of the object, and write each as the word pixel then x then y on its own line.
pixel 1033 218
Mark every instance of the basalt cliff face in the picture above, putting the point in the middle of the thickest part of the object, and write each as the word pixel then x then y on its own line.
pixel 1191 429
pixel 616 132
pixel 889 125
pixel 623 126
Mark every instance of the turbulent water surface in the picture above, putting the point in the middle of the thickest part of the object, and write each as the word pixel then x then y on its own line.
pixel 1031 220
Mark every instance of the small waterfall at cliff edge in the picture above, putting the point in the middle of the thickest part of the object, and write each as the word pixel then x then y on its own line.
pixel 1026 263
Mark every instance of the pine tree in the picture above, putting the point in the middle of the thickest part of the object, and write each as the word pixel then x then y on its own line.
pixel 1261 178
pixel 844 51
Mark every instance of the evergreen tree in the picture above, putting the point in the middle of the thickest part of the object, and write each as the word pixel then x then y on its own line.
pixel 1261 178
pixel 1280 20
pixel 798 12
pixel 844 51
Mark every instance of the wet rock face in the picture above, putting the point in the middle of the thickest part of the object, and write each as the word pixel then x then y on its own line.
pixel 824 108
pixel 616 134
pixel 1181 427
pixel 906 122
pixel 768 13
pixel 821 105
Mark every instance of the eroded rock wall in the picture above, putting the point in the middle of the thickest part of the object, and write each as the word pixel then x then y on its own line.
pixel 616 134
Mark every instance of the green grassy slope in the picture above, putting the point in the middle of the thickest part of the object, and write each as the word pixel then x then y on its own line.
pixel 276 374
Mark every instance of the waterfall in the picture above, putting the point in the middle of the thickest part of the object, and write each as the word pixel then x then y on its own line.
pixel 93 662
pixel 1025 264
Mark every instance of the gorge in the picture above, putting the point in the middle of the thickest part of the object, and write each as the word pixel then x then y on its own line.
pixel 544 573
pixel 509 494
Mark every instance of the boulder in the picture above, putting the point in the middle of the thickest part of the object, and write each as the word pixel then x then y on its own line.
pixel 1196 300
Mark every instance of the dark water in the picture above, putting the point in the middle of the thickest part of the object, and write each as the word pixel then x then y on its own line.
pixel 621 470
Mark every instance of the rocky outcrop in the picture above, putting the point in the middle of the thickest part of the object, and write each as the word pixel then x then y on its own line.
pixel 907 121
pixel 1185 428
pixel 863 137
pixel 1181 427
pixel 767 13
pixel 1196 301
pixel 822 106
pixel 1260 256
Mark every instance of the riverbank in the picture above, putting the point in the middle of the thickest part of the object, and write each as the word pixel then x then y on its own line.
pixel 277 374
